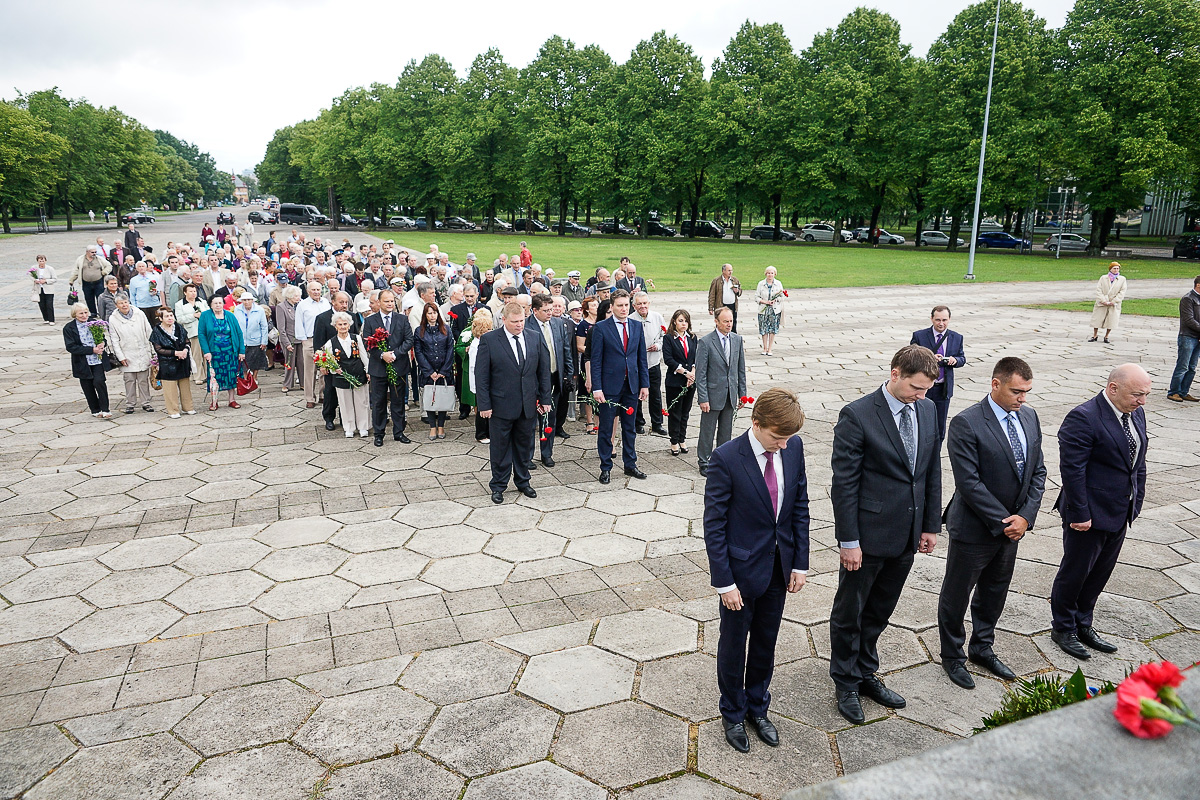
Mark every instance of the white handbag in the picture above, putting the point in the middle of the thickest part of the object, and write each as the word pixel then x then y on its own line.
pixel 437 397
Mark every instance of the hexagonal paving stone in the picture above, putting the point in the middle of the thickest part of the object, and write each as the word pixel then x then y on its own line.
pixel 490 734
pixel 209 559
pixel 464 672
pixel 1101 666
pixel 407 776
pixel 803 758
pixel 29 621
pixel 685 686
pixel 229 472
pixel 648 634
pixel 364 538
pixel 685 506
pixel 157 551
pixel 553 498
pixel 299 531
pixel 433 514
pixel 211 592
pixel 295 563
pixel 937 702
pixel 503 519
pixel 467 572
pixel 606 549
pixel 578 678
pixel 525 546
pixel 99 487
pixel 225 490
pixel 383 566
pixel 154 489
pixel 113 627
pixel 134 586
pixel 803 691
pixel 577 522
pixel 134 768
pixel 304 597
pixel 651 526
pixel 28 754
pixel 355 727
pixel 1181 648
pixel 540 781
pixel 274 771
pixel 246 716
pixel 685 787
pixel 451 540
pixel 599 742
pixel 46 583
pixel 898 648
pixel 1129 618
pixel 865 746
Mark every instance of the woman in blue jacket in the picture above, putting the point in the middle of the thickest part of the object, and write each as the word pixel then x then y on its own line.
pixel 255 329
pixel 224 347
pixel 435 362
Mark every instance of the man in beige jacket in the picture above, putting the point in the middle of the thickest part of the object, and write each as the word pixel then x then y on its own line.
pixel 1110 291
pixel 725 291
pixel 90 269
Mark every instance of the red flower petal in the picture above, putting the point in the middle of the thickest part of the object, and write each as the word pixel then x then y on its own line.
pixel 1128 710
pixel 1158 674
pixel 629 412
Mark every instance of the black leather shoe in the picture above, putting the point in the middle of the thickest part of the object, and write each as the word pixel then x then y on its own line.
pixel 329 425
pixel 994 665
pixel 547 462
pixel 765 730
pixel 703 470
pixel 528 491
pixel 497 497
pixel 735 734
pixel 463 415
pixel 634 472
pixel 850 707
pixel 532 465
pixel 873 688
pixel 1068 642
pixel 1089 637
pixel 659 432
pixel 958 674
pixel 402 439
pixel 563 435
pixel 379 441
pixel 604 476
pixel 641 429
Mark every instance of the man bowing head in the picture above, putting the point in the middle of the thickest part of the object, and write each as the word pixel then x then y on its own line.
pixel 757 551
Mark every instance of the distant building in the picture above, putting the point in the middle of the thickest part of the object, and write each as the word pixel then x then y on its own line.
pixel 240 192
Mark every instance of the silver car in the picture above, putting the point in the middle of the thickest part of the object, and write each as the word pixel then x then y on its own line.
pixel 820 232
pixel 937 239
pixel 1066 241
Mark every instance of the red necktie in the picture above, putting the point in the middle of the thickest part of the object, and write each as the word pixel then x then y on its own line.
pixel 684 341
pixel 625 336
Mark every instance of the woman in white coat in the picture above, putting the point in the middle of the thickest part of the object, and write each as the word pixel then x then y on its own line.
pixel 188 309
pixel 44 278
pixel 129 332
pixel 1110 291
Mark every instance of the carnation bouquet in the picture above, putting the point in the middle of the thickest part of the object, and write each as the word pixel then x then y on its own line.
pixel 332 365
pixel 99 329
pixel 379 341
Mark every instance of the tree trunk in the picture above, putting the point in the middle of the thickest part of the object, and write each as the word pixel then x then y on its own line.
pixel 575 211
pixel 920 229
pixel 335 218
pixel 431 219
pixel 71 222
pixel 491 216
pixel 4 218
pixel 587 220
pixel 794 221
pixel 776 202
pixel 1100 229
pixel 695 212
pixel 837 232
pixel 562 215
pixel 955 227
pixel 679 213
pixel 737 223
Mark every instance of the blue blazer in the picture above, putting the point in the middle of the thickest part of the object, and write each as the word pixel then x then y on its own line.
pixel 1098 482
pixel 740 532
pixel 954 349
pixel 612 362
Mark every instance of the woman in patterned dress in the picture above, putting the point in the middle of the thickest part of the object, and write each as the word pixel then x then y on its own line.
pixel 222 343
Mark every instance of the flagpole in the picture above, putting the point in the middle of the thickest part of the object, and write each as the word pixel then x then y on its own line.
pixel 987 110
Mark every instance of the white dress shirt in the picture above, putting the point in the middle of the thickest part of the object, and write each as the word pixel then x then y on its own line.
pixel 1137 440
pixel 516 341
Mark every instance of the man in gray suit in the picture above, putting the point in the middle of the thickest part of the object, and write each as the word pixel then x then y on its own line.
pixel 887 496
pixel 720 384
pixel 558 343
pixel 995 450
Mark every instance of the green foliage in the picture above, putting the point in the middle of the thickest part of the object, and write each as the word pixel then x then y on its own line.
pixel 1028 698
pixel 214 184
pixel 1138 306
pixel 30 158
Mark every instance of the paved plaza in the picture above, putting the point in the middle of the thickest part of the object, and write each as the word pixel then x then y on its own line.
pixel 242 605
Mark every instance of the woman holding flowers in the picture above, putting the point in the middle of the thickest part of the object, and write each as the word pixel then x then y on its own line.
pixel 770 296
pixel 129 334
pixel 44 278
pixel 345 357
pixel 86 342
pixel 221 340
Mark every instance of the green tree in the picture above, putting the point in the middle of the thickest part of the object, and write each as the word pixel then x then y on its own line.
pixel 280 174
pixel 215 184
pixel 179 177
pixel 30 160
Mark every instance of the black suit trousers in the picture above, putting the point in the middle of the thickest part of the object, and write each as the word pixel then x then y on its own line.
pixel 744 673
pixel 608 413
pixel 383 396
pixel 987 570
pixel 329 403
pixel 1089 558
pixel 941 401
pixel 511 449
pixel 863 605
pixel 557 390
pixel 656 400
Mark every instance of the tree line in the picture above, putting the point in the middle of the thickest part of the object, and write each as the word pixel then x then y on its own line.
pixel 68 156
pixel 850 128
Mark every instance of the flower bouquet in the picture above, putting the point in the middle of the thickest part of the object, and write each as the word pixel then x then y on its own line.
pixel 155 383
pixel 33 272
pixel 379 341
pixel 72 296
pixel 99 329
pixel 1148 705
pixel 332 365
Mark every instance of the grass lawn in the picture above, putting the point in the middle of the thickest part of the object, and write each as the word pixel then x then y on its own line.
pixel 681 265
pixel 1139 306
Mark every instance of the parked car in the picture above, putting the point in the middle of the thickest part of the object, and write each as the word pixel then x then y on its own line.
pixel 998 239
pixel 572 228
pixel 499 224
pixel 262 217
pixel 298 214
pixel 656 228
pixel 224 217
pixel 346 219
pixel 1186 247
pixel 365 221
pixel 611 226
pixel 407 223
pixel 1066 241
pixel 937 239
pixel 137 217
pixel 768 232
pixel 819 232
pixel 458 224
pixel 703 227
pixel 422 225
pixel 530 224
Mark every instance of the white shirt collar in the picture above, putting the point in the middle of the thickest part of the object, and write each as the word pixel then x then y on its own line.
pixel 1115 410
pixel 893 404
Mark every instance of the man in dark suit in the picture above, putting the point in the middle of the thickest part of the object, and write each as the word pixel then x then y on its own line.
pixel 512 387
pixel 1102 458
pixel 553 336
pixel 756 534
pixel 323 331
pixel 620 376
pixel 720 384
pixel 995 450
pixel 131 238
pixel 887 494
pixel 383 392
pixel 632 282
pixel 460 318
pixel 947 345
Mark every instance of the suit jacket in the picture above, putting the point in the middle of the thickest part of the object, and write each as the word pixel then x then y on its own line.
pixel 987 487
pixel 612 362
pixel 673 357
pixel 323 329
pixel 564 347
pixel 1098 482
pixel 501 387
pixel 876 500
pixel 740 529
pixel 400 341
pixel 720 382
pixel 463 314
pixel 716 290
pixel 953 348
pixel 637 285
pixel 130 240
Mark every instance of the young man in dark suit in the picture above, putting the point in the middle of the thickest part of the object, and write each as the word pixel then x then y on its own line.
pixel 512 387
pixel 619 375
pixel 552 335
pixel 995 450
pixel 323 331
pixel 383 393
pixel 887 496
pixel 1102 459
pixel 947 346
pixel 756 533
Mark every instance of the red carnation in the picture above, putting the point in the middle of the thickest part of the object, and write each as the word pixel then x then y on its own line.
pixel 664 327
pixel 785 294
pixel 629 412
pixel 1132 694
pixel 548 430
pixel 452 315
pixel 666 413
pixel 1158 675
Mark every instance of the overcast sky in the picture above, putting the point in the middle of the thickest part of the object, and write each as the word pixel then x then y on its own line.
pixel 225 74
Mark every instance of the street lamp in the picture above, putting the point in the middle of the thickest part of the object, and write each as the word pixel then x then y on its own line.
pixel 987 110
